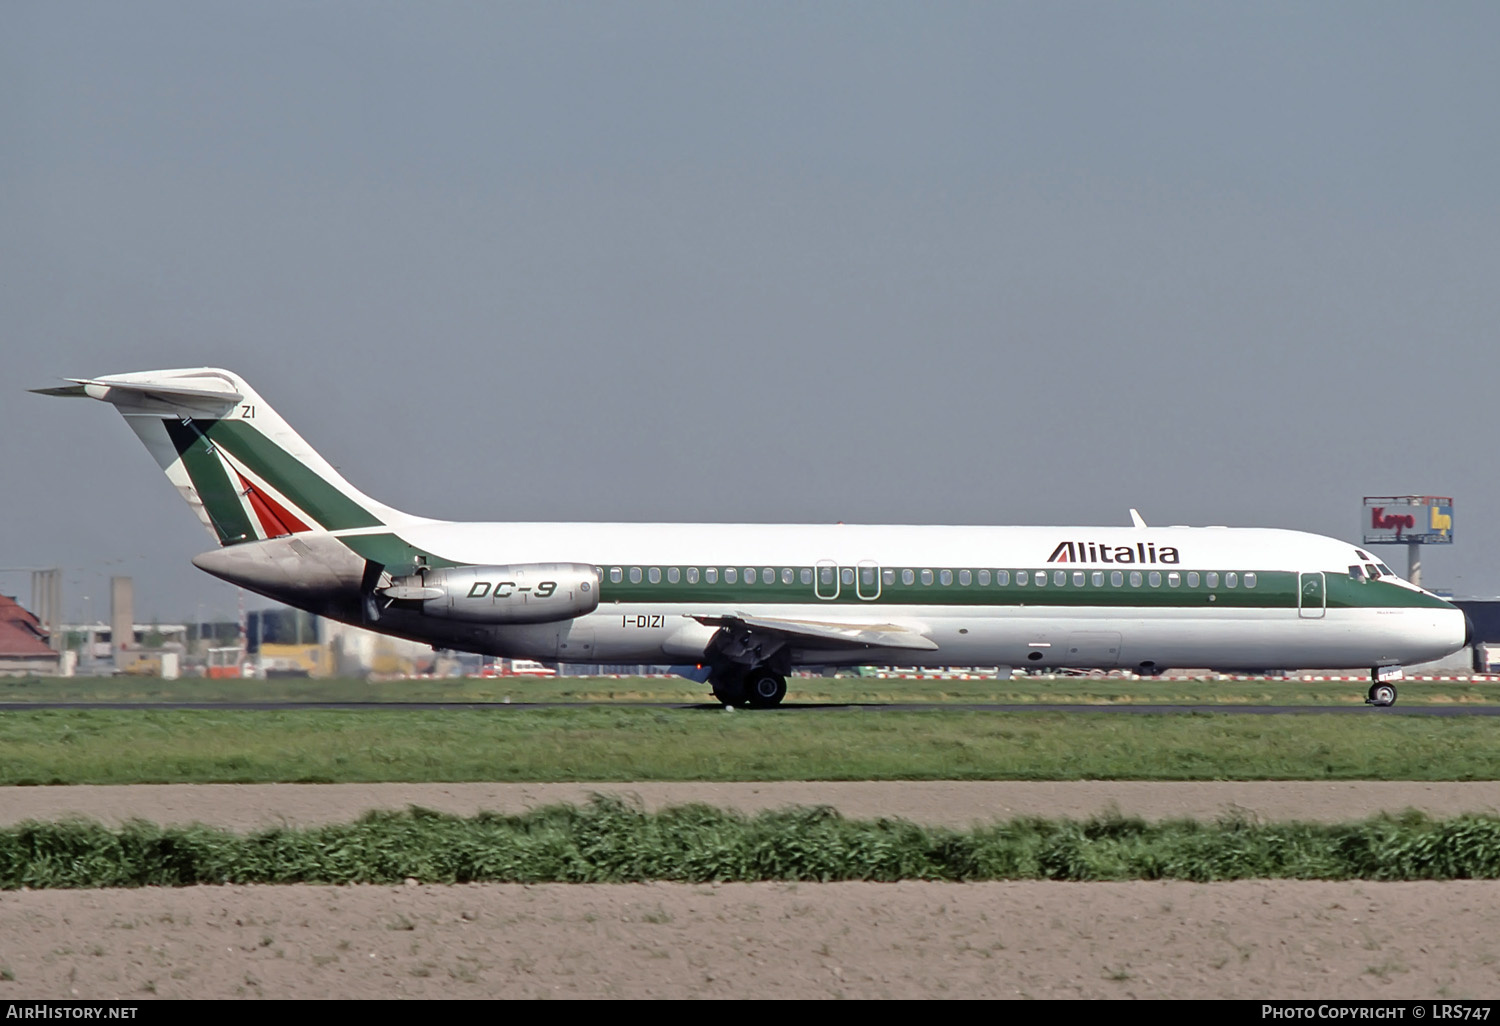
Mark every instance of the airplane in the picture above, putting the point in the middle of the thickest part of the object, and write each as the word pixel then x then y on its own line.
pixel 739 606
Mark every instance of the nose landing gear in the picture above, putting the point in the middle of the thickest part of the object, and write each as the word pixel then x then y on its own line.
pixel 1381 694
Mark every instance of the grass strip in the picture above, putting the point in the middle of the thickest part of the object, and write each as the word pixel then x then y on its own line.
pixel 804 690
pixel 606 744
pixel 610 841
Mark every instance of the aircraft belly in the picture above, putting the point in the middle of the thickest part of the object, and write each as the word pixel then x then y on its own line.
pixel 1085 638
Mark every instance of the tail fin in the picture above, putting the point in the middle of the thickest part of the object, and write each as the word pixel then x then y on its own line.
pixel 241 468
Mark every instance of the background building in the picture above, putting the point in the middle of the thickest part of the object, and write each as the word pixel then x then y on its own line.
pixel 25 646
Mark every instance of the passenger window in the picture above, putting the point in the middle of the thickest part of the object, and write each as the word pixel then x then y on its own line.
pixel 887 577
pixel 1173 579
pixel 1021 577
pixel 1211 579
pixel 965 578
pixel 1041 578
pixel 692 575
pixel 1192 578
pixel 984 578
pixel 806 576
pixel 825 575
pixel 1059 577
pixel 673 575
pixel 867 575
pixel 1231 580
pixel 1002 577
pixel 1135 578
pixel 908 577
pixel 749 575
pixel 635 575
pixel 787 577
pixel 847 575
pixel 1249 580
pixel 614 575
pixel 731 575
pixel 767 575
pixel 926 576
pixel 1117 578
pixel 1078 578
pixel 1098 578
pixel 1154 578
pixel 654 575
pixel 945 577
pixel 711 575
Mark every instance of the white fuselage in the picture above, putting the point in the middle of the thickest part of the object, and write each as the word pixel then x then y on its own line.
pixel 1092 611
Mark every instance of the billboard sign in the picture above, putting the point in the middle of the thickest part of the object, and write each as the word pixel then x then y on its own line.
pixel 1408 520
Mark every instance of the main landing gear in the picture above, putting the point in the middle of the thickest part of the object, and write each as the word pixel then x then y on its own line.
pixel 748 668
pixel 757 688
pixel 765 688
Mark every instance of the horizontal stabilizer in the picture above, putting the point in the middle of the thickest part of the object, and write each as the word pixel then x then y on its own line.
pixel 873 635
pixel 241 468
pixel 100 388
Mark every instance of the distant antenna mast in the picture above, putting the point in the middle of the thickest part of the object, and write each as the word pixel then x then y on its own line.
pixel 1135 519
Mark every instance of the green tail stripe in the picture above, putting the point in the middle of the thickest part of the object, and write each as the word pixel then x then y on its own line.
pixel 331 508
pixel 220 498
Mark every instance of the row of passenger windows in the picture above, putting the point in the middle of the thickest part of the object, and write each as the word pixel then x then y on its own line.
pixel 944 578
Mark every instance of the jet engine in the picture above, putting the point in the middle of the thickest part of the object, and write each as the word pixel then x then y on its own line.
pixel 522 593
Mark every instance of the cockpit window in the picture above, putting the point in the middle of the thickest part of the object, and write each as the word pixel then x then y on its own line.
pixel 1362 554
pixel 1371 570
pixel 1385 570
pixel 1357 572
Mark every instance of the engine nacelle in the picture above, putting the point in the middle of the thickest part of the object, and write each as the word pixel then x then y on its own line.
pixel 523 593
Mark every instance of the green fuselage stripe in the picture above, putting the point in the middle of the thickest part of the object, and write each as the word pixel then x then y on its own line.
pixel 1273 590
pixel 392 552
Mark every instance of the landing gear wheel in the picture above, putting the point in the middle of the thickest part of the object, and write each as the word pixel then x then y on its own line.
pixel 1381 694
pixel 728 688
pixel 764 689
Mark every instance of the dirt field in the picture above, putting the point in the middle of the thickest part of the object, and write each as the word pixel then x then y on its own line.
pixel 909 940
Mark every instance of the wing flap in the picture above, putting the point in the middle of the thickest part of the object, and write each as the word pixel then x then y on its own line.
pixel 830 633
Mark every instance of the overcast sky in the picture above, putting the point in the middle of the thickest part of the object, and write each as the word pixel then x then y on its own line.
pixel 968 263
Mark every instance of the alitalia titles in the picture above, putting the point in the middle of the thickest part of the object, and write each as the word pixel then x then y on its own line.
pixel 1095 552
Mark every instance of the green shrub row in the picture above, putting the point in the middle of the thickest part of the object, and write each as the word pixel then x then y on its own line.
pixel 609 841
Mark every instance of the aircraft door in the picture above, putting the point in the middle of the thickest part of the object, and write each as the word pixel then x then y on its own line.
pixel 867 584
pixel 826 579
pixel 1311 595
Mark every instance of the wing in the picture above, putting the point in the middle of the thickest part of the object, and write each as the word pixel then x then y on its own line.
pixel 824 633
